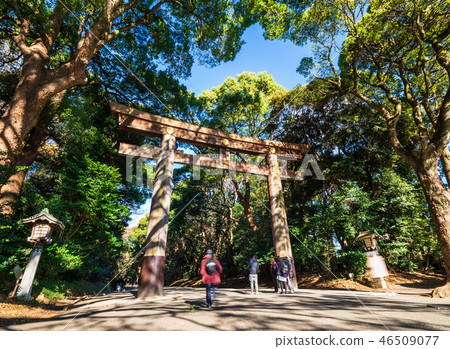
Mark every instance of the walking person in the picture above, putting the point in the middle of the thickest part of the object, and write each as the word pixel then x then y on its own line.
pixel 253 267
pixel 273 271
pixel 210 271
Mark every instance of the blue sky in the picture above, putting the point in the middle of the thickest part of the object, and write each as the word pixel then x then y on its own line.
pixel 278 58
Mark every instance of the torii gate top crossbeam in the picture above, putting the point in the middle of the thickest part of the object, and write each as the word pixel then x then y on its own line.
pixel 137 121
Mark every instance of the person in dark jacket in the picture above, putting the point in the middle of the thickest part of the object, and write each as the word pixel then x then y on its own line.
pixel 210 276
pixel 283 272
pixel 253 267
pixel 274 270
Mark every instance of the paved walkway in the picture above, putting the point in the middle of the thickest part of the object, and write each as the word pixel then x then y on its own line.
pixel 312 310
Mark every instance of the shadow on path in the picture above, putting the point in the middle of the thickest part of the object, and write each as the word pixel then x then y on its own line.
pixel 185 309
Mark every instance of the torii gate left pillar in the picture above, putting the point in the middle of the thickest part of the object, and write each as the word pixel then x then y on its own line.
pixel 151 280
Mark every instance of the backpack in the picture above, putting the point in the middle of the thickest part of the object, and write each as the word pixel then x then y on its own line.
pixel 285 268
pixel 211 266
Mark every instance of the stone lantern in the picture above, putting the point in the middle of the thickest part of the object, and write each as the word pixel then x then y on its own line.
pixel 375 262
pixel 42 226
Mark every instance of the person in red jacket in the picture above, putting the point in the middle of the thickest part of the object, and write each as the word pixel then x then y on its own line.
pixel 210 271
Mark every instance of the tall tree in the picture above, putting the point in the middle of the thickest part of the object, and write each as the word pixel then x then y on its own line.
pixel 395 59
pixel 359 163
pixel 242 105
pixel 53 44
pixel 78 176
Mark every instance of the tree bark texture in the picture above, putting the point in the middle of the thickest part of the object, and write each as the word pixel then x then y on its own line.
pixel 245 202
pixel 11 189
pixel 38 85
pixel 445 161
pixel 23 127
pixel 438 199
pixel 25 158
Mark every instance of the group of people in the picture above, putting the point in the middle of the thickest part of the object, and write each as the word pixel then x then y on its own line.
pixel 282 270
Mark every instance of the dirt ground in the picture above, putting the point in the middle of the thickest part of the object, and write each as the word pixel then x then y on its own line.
pixel 13 311
pixel 17 312
pixel 328 281
pixel 394 281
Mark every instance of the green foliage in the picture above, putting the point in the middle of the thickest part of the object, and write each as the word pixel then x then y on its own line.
pixel 352 262
pixel 242 104
pixel 78 176
pixel 85 196
pixel 52 295
pixel 393 57
pixel 172 34
pixel 55 290
pixel 305 67
pixel 368 187
pixel 13 251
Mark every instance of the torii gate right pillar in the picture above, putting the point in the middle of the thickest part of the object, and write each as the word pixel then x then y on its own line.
pixel 280 230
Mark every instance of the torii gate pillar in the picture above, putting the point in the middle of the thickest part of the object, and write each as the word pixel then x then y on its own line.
pixel 280 230
pixel 151 280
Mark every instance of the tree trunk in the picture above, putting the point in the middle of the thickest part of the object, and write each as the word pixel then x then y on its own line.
pixel 249 216
pixel 445 161
pixel 229 255
pixel 11 189
pixel 24 125
pixel 26 156
pixel 438 199
pixel 245 202
pixel 24 109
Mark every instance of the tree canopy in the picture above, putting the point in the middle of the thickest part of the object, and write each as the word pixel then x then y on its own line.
pixel 51 47
pixel 395 59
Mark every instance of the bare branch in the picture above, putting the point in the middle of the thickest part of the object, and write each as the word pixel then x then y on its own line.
pixel 391 122
pixel 56 20
pixel 124 8
pixel 111 36
pixel 441 136
pixel 83 22
pixel 19 39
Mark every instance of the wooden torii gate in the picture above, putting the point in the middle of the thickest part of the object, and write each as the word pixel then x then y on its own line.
pixel 133 120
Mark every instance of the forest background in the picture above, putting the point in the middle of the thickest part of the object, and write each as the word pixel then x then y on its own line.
pixel 68 161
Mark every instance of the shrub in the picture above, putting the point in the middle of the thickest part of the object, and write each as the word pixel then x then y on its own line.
pixel 353 262
pixel 55 290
